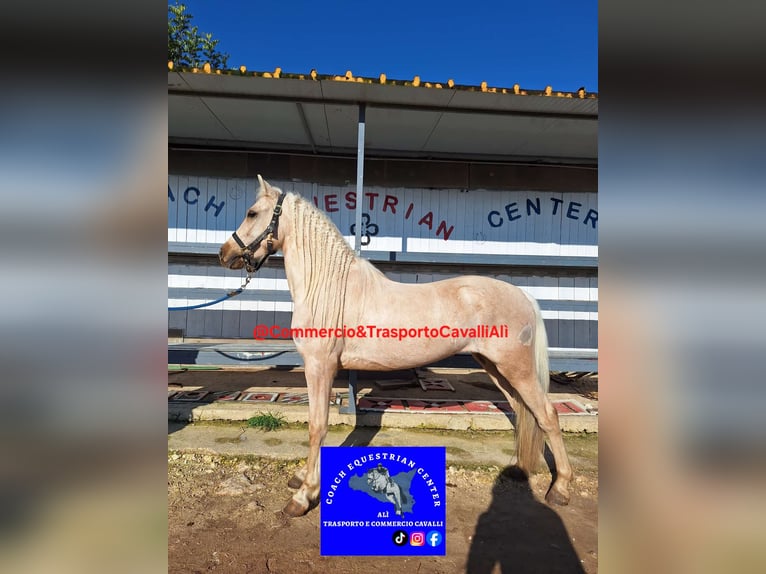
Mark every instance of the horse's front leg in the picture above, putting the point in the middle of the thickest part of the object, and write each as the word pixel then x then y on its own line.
pixel 393 497
pixel 319 378
pixel 398 502
pixel 297 479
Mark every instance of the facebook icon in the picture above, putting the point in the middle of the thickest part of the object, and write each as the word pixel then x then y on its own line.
pixel 434 538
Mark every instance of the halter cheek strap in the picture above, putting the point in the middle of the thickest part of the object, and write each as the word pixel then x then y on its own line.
pixel 269 234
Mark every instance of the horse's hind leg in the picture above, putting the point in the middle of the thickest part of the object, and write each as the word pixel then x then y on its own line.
pixel 528 390
pixel 548 420
pixel 496 377
pixel 319 377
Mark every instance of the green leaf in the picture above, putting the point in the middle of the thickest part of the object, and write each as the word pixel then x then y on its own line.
pixel 187 47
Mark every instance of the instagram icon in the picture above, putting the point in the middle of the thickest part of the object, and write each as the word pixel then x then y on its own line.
pixel 417 539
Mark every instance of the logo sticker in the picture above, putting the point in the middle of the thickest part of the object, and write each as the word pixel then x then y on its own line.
pixel 382 501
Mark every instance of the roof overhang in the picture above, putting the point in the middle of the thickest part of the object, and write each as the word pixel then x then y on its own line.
pixel 321 117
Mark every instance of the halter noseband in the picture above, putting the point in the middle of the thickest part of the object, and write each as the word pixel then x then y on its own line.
pixel 269 234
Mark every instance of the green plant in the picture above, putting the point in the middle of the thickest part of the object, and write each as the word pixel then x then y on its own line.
pixel 267 421
pixel 187 46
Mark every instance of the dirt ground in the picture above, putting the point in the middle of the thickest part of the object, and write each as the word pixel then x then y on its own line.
pixel 225 516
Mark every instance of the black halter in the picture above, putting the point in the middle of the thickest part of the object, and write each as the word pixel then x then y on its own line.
pixel 269 234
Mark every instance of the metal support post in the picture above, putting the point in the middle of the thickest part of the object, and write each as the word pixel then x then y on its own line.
pixel 350 407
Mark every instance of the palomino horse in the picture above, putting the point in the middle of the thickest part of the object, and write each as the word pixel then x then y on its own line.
pixel 335 290
pixel 380 480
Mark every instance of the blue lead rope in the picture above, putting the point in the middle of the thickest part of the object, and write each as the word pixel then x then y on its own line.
pixel 229 295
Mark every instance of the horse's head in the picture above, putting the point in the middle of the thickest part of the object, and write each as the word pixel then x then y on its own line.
pixel 372 479
pixel 258 235
pixel 376 479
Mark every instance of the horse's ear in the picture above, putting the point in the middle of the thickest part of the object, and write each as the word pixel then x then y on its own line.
pixel 266 188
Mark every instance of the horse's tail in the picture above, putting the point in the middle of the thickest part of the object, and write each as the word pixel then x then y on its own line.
pixel 530 438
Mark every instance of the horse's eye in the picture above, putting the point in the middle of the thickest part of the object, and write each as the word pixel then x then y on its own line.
pixel 251 213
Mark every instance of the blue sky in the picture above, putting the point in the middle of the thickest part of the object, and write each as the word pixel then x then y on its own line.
pixel 533 43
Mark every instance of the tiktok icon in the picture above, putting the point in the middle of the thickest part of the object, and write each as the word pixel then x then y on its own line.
pixel 400 538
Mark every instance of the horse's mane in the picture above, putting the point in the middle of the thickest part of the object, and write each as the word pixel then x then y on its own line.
pixel 326 260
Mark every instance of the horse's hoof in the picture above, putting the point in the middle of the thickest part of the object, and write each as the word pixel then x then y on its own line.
pixel 556 497
pixel 295 482
pixel 293 509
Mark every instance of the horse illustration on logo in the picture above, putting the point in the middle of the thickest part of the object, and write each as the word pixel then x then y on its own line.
pixel 379 480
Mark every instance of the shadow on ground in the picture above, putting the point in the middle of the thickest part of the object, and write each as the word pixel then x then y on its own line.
pixel 363 435
pixel 523 520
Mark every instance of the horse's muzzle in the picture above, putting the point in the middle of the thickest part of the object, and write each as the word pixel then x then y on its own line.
pixel 230 258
